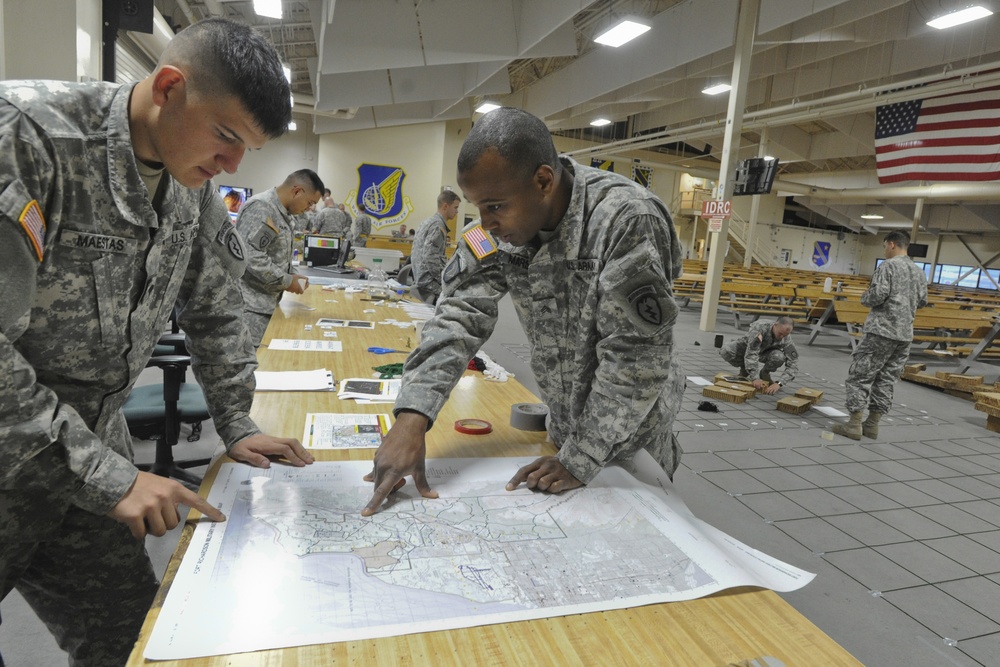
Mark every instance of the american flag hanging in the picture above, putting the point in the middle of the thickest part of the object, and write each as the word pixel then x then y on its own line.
pixel 953 137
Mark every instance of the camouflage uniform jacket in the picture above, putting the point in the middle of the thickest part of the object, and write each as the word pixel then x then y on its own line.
pixel 361 229
pixel 334 222
pixel 897 289
pixel 90 275
pixel 428 256
pixel 758 341
pixel 596 302
pixel 268 229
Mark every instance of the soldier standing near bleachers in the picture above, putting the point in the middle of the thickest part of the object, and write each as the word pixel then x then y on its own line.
pixel 897 289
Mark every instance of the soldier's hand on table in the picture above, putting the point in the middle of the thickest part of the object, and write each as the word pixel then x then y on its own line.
pixel 256 449
pixel 547 474
pixel 773 389
pixel 299 284
pixel 403 452
pixel 150 505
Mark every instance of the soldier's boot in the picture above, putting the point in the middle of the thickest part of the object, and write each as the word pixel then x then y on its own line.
pixel 766 376
pixel 743 372
pixel 869 428
pixel 851 429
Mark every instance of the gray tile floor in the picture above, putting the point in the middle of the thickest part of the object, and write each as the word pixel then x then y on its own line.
pixel 903 532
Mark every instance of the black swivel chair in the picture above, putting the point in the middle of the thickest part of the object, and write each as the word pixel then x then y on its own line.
pixel 156 411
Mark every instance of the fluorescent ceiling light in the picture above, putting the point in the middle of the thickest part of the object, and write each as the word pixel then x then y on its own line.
pixel 768 158
pixel 292 126
pixel 487 107
pixel 871 216
pixel 627 29
pixel 717 88
pixel 959 17
pixel 271 8
pixel 288 73
pixel 600 122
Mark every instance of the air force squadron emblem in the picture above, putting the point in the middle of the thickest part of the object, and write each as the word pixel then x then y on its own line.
pixel 380 189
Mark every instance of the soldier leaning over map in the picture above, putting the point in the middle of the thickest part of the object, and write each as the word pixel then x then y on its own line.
pixel 588 258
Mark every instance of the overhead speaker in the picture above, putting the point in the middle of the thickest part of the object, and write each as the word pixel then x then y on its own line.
pixel 136 15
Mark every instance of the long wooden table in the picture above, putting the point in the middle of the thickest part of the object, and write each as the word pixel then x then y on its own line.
pixel 729 627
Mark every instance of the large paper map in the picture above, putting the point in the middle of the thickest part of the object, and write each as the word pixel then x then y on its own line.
pixel 296 564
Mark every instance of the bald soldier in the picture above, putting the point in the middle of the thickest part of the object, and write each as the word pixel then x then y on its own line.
pixel 107 219
pixel 266 224
pixel 588 258
pixel 766 347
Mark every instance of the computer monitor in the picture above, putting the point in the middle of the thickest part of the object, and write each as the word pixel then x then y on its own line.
pixel 917 250
pixel 235 197
pixel 322 250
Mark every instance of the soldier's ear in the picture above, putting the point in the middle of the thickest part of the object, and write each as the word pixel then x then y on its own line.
pixel 168 83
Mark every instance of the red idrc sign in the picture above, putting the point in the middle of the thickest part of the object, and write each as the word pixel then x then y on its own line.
pixel 716 208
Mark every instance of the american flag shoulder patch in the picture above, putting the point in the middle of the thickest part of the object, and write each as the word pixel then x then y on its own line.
pixel 34 225
pixel 480 244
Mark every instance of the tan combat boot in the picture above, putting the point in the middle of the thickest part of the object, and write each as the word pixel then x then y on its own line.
pixel 851 429
pixel 870 426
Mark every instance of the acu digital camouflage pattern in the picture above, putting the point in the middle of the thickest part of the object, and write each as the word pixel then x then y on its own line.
pixel 596 302
pixel 897 289
pixel 333 222
pixel 361 229
pixel 876 365
pixel 77 328
pixel 268 230
pixel 759 351
pixel 428 256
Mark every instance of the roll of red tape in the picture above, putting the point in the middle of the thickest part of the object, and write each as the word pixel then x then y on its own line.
pixel 473 426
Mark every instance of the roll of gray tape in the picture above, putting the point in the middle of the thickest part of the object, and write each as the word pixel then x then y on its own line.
pixel 528 416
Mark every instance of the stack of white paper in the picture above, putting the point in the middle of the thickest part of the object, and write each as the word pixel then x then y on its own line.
pixel 366 391
pixel 318 380
pixel 302 345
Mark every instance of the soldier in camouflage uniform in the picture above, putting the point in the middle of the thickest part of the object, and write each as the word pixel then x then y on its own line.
pixel 897 289
pixel 107 219
pixel 589 258
pixel 361 228
pixel 334 220
pixel 766 347
pixel 265 223
pixel 428 253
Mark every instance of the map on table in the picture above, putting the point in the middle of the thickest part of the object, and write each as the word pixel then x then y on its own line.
pixel 296 564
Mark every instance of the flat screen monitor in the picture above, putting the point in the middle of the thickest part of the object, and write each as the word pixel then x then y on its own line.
pixel 321 250
pixel 755 176
pixel 234 196
pixel 917 250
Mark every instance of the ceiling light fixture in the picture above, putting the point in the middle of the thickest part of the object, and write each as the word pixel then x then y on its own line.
pixel 624 30
pixel 871 216
pixel 271 8
pixel 958 18
pixel 768 158
pixel 600 122
pixel 292 126
pixel 487 107
pixel 288 73
pixel 717 88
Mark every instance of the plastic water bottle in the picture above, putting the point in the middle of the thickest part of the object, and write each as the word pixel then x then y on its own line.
pixel 295 257
pixel 377 278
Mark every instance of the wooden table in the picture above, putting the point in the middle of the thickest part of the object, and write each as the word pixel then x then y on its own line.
pixel 731 626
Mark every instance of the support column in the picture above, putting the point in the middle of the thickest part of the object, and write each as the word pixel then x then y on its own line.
pixel 746 29
pixel 918 213
pixel 755 204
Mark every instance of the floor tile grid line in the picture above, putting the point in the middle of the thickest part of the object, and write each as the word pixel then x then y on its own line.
pixel 777 524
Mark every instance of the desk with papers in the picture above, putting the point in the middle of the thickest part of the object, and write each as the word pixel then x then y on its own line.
pixel 738 624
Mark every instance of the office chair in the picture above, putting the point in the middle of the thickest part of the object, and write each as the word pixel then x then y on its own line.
pixel 405 275
pixel 158 410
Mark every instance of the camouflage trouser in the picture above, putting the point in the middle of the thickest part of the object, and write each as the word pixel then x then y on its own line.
pixel 877 364
pixel 88 579
pixel 770 361
pixel 256 325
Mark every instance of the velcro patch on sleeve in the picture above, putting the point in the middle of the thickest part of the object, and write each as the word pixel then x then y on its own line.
pixel 33 223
